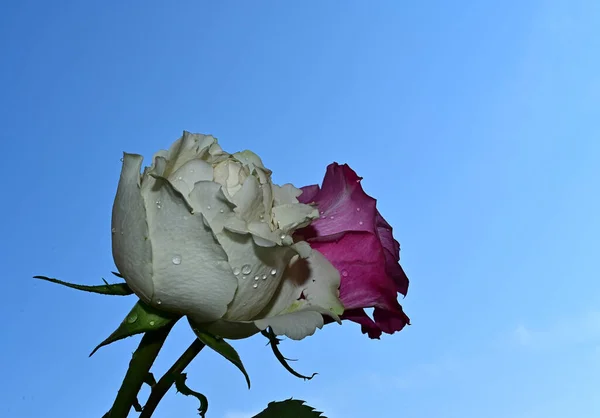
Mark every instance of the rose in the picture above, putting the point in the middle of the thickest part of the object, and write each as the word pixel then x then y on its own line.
pixel 354 237
pixel 206 234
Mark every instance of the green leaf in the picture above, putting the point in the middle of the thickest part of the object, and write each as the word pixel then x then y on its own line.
pixel 274 342
pixel 116 289
pixel 184 390
pixel 141 318
pixel 222 347
pixel 291 408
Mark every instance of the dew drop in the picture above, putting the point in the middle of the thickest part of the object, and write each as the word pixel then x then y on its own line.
pixel 114 230
pixel 221 211
pixel 246 269
pixel 176 260
pixel 179 178
pixel 358 209
pixel 273 272
pixel 256 278
pixel 244 277
pixel 236 271
pixel 192 170
pixel 282 236
pixel 262 216
pixel 121 159
pixel 151 323
pixel 322 212
pixel 264 277
pixel 159 302
pixel 331 217
pixel 360 222
pixel 132 318
pixel 345 273
pixel 255 285
pixel 158 204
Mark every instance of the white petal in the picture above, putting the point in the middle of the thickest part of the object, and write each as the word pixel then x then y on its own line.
pixel 188 147
pixel 296 325
pixel 191 272
pixel 249 200
pixel 131 248
pixel 314 278
pixel 259 269
pixel 207 198
pixel 285 194
pixel 252 161
pixel 230 174
pixel 291 216
pixel 263 235
pixel 189 174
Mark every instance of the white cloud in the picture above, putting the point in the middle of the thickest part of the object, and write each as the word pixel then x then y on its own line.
pixel 575 330
pixel 523 335
pixel 417 375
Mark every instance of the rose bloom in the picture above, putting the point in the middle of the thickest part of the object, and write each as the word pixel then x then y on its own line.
pixel 354 237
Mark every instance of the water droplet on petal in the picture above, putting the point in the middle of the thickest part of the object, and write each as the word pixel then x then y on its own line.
pixel 358 209
pixel 236 271
pixel 176 260
pixel 221 210
pixel 121 159
pixel 331 217
pixel 179 178
pixel 132 318
pixel 345 273
pixel 246 269
pixel 255 285
pixel 159 302
pixel 360 222
pixel 262 216
pixel 114 230
pixel 273 272
pixel 282 236
pixel 158 204
pixel 151 323
pixel 264 277
pixel 322 212
pixel 208 207
pixel 256 277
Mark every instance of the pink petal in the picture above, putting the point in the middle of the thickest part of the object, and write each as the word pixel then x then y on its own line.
pixel 308 193
pixel 356 239
pixel 343 205
pixel 360 259
pixel 367 325
pixel 392 254
pixel 390 321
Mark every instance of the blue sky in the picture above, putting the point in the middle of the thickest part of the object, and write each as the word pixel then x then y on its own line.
pixel 474 124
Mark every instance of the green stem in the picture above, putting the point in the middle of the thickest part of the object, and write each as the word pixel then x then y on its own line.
pixel 139 367
pixel 164 384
